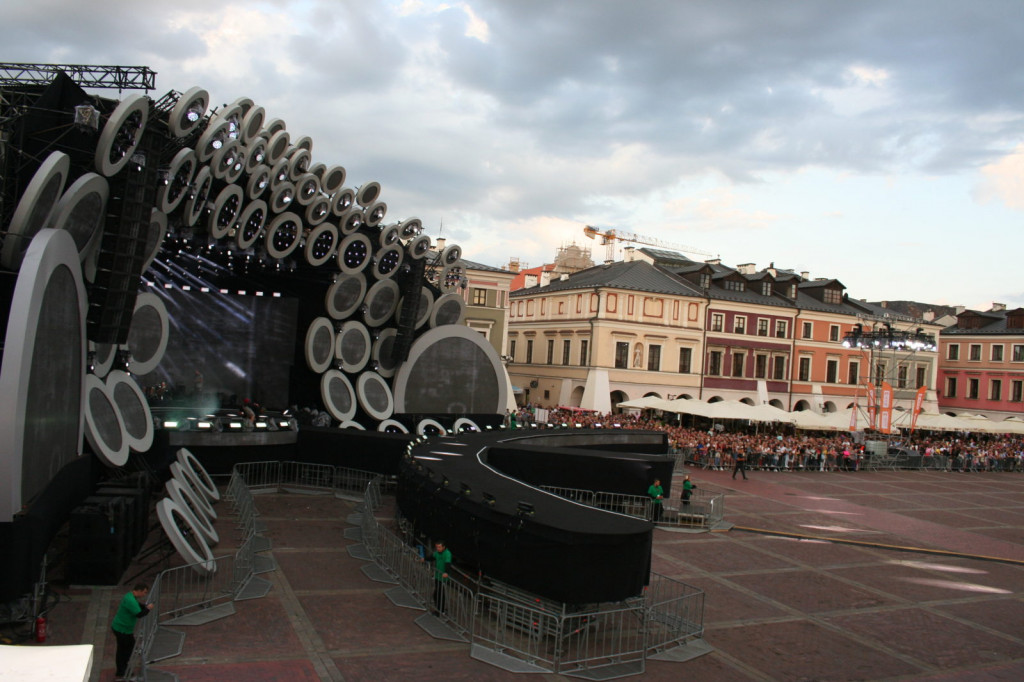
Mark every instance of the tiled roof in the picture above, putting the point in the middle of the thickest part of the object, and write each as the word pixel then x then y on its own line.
pixel 632 276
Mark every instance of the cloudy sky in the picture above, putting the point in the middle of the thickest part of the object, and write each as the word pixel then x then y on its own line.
pixel 877 142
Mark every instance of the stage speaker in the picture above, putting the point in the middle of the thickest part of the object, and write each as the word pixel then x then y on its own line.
pixel 36 206
pixel 81 210
pixel 342 201
pixel 299 161
pixel 380 303
pixel 387 261
pixel 352 221
pixel 448 309
pixel 121 135
pixel 277 147
pixel 255 154
pixel 198 194
pixel 250 223
pixel 216 135
pixel 97 540
pixel 318 211
pixel 368 193
pixel 104 425
pixel 148 333
pixel 383 356
pixel 222 163
pixel 281 197
pixel 333 179
pixel 307 188
pixel 320 243
pixel 259 181
pixel 273 127
pixel 354 253
pixel 410 228
pixel 338 395
pixel 155 236
pixel 128 398
pixel 179 176
pixel 283 235
pixel 375 395
pixel 352 346
pixel 137 505
pixel 226 208
pixel 375 213
pixel 320 345
pixel 345 295
pixel 252 124
pixel 188 111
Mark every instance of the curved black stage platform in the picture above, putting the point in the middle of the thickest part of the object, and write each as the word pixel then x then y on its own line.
pixel 477 491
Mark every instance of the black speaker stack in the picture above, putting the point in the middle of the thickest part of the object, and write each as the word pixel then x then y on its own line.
pixel 107 530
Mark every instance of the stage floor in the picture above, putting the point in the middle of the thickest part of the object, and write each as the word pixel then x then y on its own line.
pixel 777 608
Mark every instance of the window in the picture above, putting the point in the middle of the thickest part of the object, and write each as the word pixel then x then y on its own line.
pixel 529 351
pixel 879 373
pixel 766 288
pixel 808 332
pixel 831 371
pixel 715 362
pixel 717 322
pixel 654 358
pixel 685 358
pixel 950 387
pixel 975 352
pixel 737 364
pixel 551 351
pixel 792 291
pixel 833 296
pixel 780 329
pixel 922 377
pixel 805 369
pixel 833 332
pixel 995 389
pixel 780 368
pixel 733 285
pixel 972 388
pixel 479 296
pixel 583 352
pixel 953 351
pixel 853 373
pixel 705 280
pixel 566 347
pixel 997 353
pixel 739 324
pixel 760 366
pixel 1017 391
pixel 762 326
pixel 621 354
pixel 512 349
pixel 901 376
pixel 1018 352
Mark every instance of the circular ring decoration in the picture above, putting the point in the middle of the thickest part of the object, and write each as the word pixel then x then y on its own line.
pixel 410 228
pixel 375 395
pixel 282 197
pixel 104 425
pixel 279 174
pixel 392 426
pixel 232 114
pixel 104 355
pixel 451 255
pixel 187 500
pixel 448 309
pixel 244 104
pixel 354 253
pixel 318 169
pixel 380 303
pixel 272 127
pixel 426 306
pixel 37 205
pixel 465 424
pixel 368 193
pixel 223 160
pixel 189 544
pixel 298 164
pixel 197 475
pixel 333 179
pixel 154 236
pixel 257 154
pixel 179 177
pixel 320 345
pixel 148 333
pixel 451 278
pixel 307 188
pixel 252 123
pixel 81 210
pixel 419 247
pixel 216 135
pixel 283 235
pixel 349 424
pixel 235 171
pixel 375 213
pixel 382 353
pixel 178 474
pixel 352 221
pixel 338 395
pixel 304 142
pixel 277 147
pixel 121 134
pixel 134 409
pixel 259 181
pixel 342 201
pixel 226 208
pixel 430 427
pixel 388 236
pixel 318 211
pixel 250 223
pixel 345 295
pixel 320 243
pixel 195 204
pixel 188 111
pixel 387 261
pixel 352 346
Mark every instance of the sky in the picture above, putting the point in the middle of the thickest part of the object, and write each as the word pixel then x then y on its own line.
pixel 879 143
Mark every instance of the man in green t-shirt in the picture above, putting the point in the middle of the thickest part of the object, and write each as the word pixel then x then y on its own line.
pixel 657 494
pixel 132 607
pixel 442 560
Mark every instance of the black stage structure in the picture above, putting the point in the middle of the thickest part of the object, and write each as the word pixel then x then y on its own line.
pixel 167 267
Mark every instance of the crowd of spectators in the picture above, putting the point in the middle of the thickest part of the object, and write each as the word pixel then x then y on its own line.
pixel 783 448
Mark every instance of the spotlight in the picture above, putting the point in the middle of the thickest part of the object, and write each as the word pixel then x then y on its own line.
pixel 87 117
pixel 187 112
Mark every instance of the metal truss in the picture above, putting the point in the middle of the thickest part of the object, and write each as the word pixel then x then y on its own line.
pixel 87 76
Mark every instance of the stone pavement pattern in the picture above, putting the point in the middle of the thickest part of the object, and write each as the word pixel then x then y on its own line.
pixel 792 606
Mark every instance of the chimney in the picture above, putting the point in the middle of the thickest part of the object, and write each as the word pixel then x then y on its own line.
pixel 714 261
pixel 884 304
pixel 545 277
pixel 998 307
pixel 747 268
pixel 958 309
pixel 805 275
pixel 439 244
pixel 530 281
pixel 513 264
pixel 928 316
pixel 564 276
pixel 629 254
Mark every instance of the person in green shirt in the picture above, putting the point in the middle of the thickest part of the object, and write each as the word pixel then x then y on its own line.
pixel 442 560
pixel 657 494
pixel 132 607
pixel 688 488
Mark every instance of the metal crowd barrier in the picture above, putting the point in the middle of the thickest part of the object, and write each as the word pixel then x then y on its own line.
pixel 705 510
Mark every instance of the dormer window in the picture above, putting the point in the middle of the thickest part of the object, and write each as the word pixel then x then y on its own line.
pixel 705 280
pixel 833 296
pixel 792 291
pixel 733 285
pixel 766 288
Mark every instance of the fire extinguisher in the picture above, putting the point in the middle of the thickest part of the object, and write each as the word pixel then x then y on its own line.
pixel 41 629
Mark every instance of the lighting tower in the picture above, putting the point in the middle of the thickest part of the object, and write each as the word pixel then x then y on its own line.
pixel 610 237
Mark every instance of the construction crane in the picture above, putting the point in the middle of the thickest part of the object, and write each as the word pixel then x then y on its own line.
pixel 610 237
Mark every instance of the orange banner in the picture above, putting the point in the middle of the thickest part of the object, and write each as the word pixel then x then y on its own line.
pixel 885 408
pixel 918 403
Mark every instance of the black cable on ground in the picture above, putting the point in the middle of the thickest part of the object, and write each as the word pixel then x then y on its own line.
pixel 879 545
